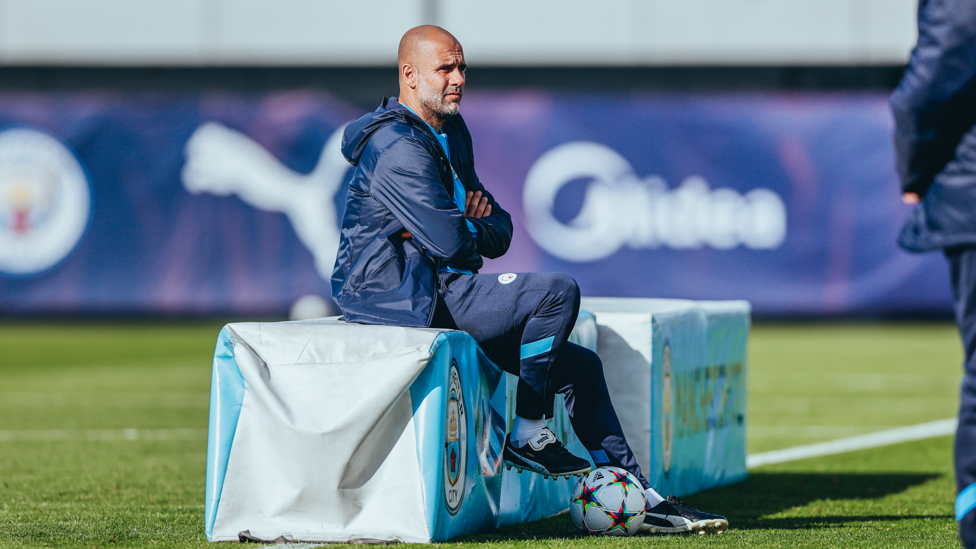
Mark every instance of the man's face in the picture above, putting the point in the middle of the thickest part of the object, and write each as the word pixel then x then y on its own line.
pixel 441 80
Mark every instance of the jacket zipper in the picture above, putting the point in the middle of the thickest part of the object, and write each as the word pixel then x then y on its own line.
pixel 437 262
pixel 437 291
pixel 367 279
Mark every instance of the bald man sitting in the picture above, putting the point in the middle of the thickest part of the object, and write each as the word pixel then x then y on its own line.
pixel 417 223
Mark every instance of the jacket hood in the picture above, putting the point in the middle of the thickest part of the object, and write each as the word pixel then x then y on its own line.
pixel 358 133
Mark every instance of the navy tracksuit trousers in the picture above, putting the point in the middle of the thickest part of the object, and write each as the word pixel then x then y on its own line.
pixel 521 323
pixel 962 268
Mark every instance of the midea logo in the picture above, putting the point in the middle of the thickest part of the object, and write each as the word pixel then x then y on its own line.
pixel 620 209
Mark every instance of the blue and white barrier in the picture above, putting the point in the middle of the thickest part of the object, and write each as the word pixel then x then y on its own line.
pixel 676 371
pixel 325 431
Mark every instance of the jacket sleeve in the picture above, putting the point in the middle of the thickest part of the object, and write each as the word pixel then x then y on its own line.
pixel 495 230
pixel 406 181
pixel 933 105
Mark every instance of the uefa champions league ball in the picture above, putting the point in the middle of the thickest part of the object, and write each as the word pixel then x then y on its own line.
pixel 608 501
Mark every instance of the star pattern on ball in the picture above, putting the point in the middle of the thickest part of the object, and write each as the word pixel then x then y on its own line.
pixel 620 518
pixel 624 480
pixel 587 497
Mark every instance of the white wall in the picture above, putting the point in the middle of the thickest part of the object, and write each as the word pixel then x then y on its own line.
pixel 496 32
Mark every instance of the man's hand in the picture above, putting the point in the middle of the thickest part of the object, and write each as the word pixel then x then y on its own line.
pixel 476 206
pixel 909 198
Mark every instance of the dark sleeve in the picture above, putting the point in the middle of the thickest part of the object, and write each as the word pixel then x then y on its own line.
pixel 406 181
pixel 934 104
pixel 495 230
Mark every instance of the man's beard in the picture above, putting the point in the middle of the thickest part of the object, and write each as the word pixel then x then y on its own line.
pixel 435 102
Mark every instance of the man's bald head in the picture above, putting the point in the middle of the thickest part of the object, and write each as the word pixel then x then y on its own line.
pixel 418 42
pixel 431 64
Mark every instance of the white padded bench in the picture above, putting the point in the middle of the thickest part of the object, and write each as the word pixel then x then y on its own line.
pixel 332 432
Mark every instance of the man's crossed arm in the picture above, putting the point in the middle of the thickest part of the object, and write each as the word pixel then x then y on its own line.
pixel 475 206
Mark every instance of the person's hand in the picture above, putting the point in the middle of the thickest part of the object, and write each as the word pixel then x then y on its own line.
pixel 476 206
pixel 910 198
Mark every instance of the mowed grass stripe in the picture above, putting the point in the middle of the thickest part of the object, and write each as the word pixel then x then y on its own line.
pixel 104 435
pixel 807 377
pixel 104 400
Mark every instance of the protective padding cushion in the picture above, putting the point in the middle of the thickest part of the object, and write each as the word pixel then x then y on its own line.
pixel 325 437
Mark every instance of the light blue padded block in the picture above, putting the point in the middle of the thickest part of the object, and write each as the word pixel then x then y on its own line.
pixel 226 397
pixel 492 496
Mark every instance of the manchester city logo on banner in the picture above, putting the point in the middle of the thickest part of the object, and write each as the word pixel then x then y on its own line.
pixel 45 201
pixel 455 445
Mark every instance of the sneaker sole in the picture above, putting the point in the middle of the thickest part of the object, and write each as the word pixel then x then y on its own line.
pixel 536 468
pixel 711 526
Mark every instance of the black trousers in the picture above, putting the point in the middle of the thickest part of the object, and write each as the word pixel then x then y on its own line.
pixel 522 324
pixel 962 268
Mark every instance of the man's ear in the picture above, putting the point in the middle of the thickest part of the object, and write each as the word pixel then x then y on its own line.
pixel 409 74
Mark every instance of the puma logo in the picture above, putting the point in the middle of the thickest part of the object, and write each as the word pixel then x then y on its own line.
pixel 539 441
pixel 223 161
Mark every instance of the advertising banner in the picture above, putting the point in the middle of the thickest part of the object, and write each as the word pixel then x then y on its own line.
pixel 229 203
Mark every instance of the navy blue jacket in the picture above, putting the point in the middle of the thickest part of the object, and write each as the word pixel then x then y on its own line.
pixel 403 181
pixel 935 127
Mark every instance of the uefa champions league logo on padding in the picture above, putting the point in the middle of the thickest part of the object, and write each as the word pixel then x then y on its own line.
pixel 455 445
pixel 619 209
pixel 45 201
pixel 488 459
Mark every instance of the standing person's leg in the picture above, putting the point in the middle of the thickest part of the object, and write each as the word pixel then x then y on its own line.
pixel 580 377
pixel 962 266
pixel 521 321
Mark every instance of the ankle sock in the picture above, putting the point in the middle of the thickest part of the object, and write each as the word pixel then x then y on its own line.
pixel 653 498
pixel 524 429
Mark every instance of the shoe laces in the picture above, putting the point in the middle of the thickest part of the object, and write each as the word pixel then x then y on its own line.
pixel 677 503
pixel 558 446
pixel 555 447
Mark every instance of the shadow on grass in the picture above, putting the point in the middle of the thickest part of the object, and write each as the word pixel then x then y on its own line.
pixel 760 495
pixel 764 494
pixel 825 521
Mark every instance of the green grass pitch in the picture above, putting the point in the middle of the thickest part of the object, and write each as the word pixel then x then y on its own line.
pixel 70 476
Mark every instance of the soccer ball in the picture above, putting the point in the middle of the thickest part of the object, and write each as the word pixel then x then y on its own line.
pixel 608 501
